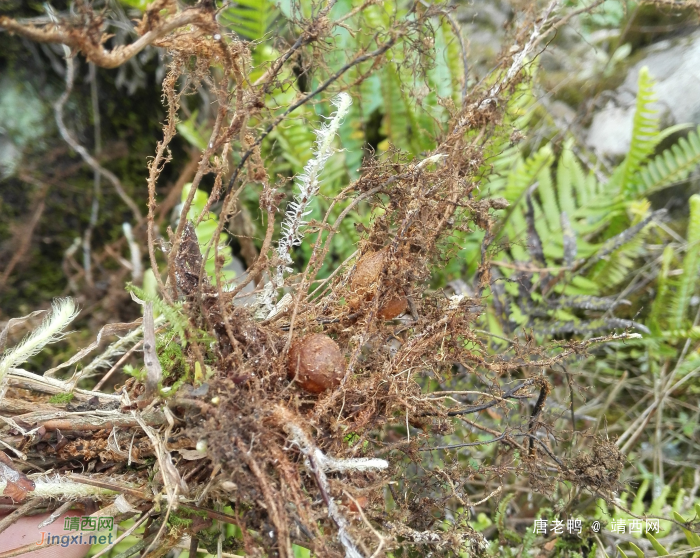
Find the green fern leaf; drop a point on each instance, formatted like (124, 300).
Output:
(693, 538)
(548, 201)
(296, 138)
(661, 303)
(250, 19)
(637, 550)
(660, 549)
(453, 58)
(637, 507)
(614, 268)
(400, 125)
(525, 173)
(685, 284)
(568, 172)
(352, 138)
(645, 133)
(671, 166)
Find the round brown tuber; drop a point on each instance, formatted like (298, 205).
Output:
(395, 307)
(315, 363)
(367, 272)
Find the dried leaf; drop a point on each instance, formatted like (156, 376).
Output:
(109, 329)
(188, 261)
(191, 455)
(18, 485)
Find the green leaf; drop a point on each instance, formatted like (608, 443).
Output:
(622, 552)
(660, 550)
(672, 166)
(637, 550)
(660, 303)
(524, 174)
(693, 538)
(637, 507)
(398, 116)
(300, 552)
(139, 4)
(250, 19)
(569, 176)
(685, 283)
(548, 200)
(645, 133)
(453, 59)
(189, 130)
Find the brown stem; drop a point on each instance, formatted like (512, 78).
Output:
(277, 515)
(94, 51)
(23, 510)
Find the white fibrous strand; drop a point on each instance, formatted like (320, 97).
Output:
(318, 464)
(54, 486)
(308, 183)
(63, 312)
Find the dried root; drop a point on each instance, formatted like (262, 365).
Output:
(299, 413)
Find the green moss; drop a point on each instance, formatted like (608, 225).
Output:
(61, 398)
(176, 520)
(171, 357)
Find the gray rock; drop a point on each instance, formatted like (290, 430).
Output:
(675, 65)
(483, 27)
(611, 130)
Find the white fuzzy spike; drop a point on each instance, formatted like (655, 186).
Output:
(308, 184)
(63, 312)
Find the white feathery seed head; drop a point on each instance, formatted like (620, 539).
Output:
(55, 486)
(308, 183)
(63, 312)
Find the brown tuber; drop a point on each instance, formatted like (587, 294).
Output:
(315, 363)
(363, 282)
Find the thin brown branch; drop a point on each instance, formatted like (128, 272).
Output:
(63, 33)
(25, 234)
(23, 510)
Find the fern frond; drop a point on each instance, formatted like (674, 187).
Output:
(296, 137)
(685, 283)
(525, 173)
(674, 334)
(352, 138)
(671, 166)
(453, 59)
(645, 132)
(617, 257)
(568, 173)
(660, 549)
(661, 303)
(548, 200)
(249, 18)
(399, 123)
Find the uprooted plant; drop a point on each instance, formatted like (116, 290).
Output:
(284, 410)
